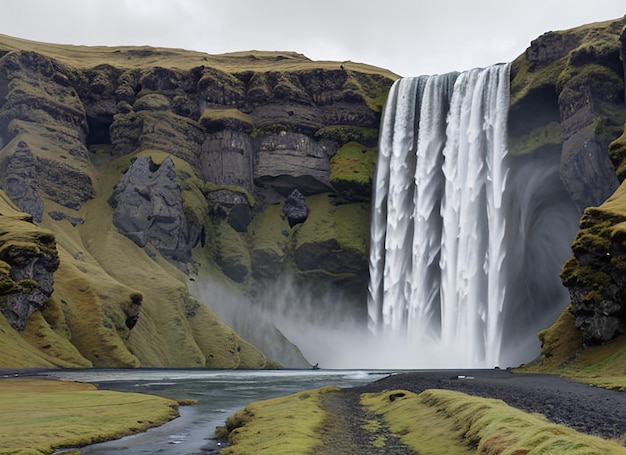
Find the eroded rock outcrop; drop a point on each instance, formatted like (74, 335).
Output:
(295, 208)
(45, 127)
(148, 209)
(595, 275)
(568, 97)
(28, 259)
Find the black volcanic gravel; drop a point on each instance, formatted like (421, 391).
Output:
(587, 409)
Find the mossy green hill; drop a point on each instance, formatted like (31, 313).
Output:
(148, 168)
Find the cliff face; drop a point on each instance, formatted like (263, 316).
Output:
(155, 168)
(572, 84)
(567, 97)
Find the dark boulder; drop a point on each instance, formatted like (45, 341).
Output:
(295, 208)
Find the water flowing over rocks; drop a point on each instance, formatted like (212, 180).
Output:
(458, 221)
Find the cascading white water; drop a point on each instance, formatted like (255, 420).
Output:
(446, 240)
(466, 248)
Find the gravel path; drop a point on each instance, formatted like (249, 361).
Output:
(344, 431)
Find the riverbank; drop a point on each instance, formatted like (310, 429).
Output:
(401, 414)
(219, 393)
(41, 415)
(336, 421)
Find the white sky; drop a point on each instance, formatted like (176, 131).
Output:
(408, 37)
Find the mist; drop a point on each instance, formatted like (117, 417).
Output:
(299, 329)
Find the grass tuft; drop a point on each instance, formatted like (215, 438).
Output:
(286, 425)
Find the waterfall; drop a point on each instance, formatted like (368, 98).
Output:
(454, 223)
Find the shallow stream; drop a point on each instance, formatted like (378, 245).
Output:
(219, 394)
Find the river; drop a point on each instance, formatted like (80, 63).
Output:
(219, 393)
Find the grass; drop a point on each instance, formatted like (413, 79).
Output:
(137, 57)
(286, 425)
(443, 422)
(39, 416)
(434, 422)
(562, 353)
(219, 119)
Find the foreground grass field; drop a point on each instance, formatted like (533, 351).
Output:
(39, 416)
(434, 422)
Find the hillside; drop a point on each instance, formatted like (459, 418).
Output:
(146, 170)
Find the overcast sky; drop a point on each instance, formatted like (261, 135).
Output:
(408, 37)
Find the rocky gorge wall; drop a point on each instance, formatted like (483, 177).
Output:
(568, 98)
(151, 169)
(132, 174)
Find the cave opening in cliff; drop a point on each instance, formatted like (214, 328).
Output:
(99, 130)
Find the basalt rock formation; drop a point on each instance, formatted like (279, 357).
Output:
(148, 170)
(148, 209)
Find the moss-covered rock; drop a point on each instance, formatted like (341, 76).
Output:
(231, 252)
(226, 119)
(617, 152)
(594, 274)
(352, 171)
(28, 259)
(333, 241)
(572, 81)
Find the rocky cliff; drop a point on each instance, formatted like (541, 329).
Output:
(137, 172)
(567, 97)
(130, 175)
(572, 84)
